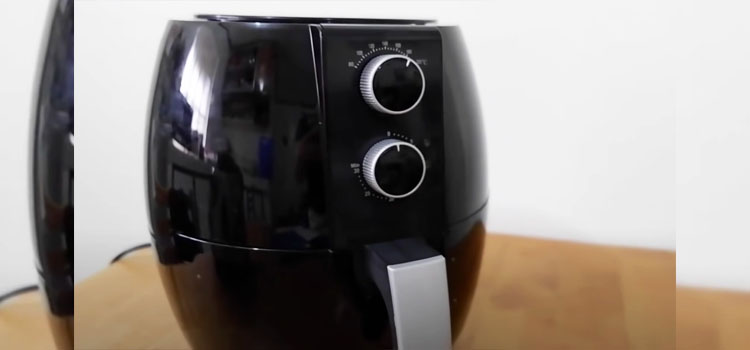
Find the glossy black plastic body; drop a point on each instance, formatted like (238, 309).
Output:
(52, 174)
(258, 210)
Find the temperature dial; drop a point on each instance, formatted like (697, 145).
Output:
(392, 84)
(394, 168)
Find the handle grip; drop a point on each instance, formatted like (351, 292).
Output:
(412, 280)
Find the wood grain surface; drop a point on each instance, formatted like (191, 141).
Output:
(711, 319)
(537, 294)
(24, 324)
(532, 294)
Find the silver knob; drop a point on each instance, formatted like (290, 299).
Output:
(392, 84)
(394, 168)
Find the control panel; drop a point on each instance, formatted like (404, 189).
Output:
(384, 129)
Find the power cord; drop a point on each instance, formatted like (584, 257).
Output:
(18, 291)
(128, 251)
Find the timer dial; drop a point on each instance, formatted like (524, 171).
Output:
(392, 84)
(394, 168)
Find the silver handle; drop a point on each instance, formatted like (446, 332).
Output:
(412, 279)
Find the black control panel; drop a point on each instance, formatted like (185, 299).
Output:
(383, 109)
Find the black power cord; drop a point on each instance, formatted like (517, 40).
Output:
(34, 287)
(18, 291)
(128, 251)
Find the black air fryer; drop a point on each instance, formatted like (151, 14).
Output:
(316, 183)
(52, 174)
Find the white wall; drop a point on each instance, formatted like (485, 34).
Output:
(578, 101)
(21, 30)
(577, 96)
(713, 140)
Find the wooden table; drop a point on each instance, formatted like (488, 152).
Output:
(532, 294)
(711, 319)
(23, 323)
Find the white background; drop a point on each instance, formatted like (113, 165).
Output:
(590, 108)
(713, 139)
(20, 48)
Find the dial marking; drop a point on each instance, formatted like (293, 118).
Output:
(374, 49)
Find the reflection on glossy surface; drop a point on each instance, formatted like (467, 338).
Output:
(235, 298)
(462, 264)
(52, 182)
(466, 158)
(310, 20)
(256, 214)
(235, 154)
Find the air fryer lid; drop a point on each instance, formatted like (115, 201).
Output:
(311, 20)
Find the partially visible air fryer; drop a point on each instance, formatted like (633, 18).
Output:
(316, 183)
(52, 174)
